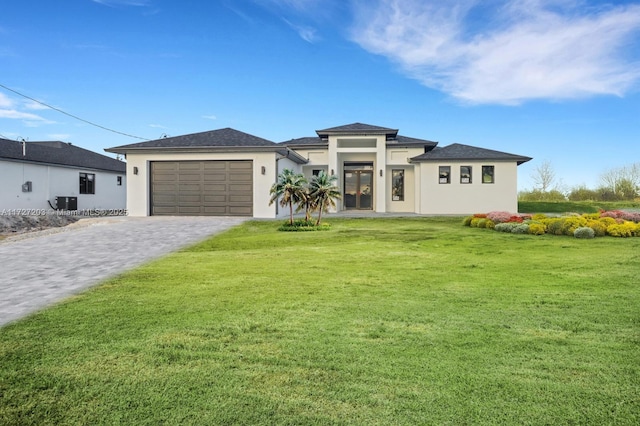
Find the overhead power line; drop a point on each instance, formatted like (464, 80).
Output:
(71, 115)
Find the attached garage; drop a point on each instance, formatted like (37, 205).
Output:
(201, 188)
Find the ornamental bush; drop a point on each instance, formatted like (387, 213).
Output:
(537, 228)
(623, 230)
(584, 232)
(499, 217)
(599, 228)
(467, 221)
(482, 223)
(520, 228)
(554, 225)
(570, 224)
(505, 226)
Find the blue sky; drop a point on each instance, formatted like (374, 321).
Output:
(557, 80)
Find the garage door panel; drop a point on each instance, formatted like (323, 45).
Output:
(215, 199)
(215, 177)
(215, 165)
(240, 198)
(202, 188)
(240, 165)
(240, 211)
(217, 187)
(185, 166)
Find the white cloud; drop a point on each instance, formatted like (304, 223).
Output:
(157, 126)
(307, 33)
(8, 111)
(5, 102)
(210, 117)
(515, 51)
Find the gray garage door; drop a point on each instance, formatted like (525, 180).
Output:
(202, 188)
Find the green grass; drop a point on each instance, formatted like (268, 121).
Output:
(574, 207)
(374, 322)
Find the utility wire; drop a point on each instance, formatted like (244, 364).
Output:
(71, 115)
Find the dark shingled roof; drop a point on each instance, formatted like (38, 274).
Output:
(459, 151)
(405, 140)
(59, 153)
(309, 140)
(357, 128)
(214, 138)
(397, 141)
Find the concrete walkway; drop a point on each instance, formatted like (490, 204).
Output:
(49, 266)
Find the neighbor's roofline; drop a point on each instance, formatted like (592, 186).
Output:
(65, 166)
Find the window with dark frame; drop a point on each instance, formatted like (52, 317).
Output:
(397, 185)
(119, 180)
(444, 173)
(488, 175)
(87, 183)
(316, 172)
(465, 174)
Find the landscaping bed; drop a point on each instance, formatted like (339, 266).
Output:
(615, 223)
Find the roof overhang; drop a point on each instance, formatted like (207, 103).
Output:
(518, 160)
(285, 152)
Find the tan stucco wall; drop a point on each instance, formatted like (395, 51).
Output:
(463, 199)
(138, 185)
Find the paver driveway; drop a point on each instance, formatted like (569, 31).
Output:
(39, 271)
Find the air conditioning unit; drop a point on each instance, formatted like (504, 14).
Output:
(67, 203)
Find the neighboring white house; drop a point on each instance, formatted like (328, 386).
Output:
(40, 176)
(227, 172)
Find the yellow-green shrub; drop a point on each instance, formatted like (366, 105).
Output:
(554, 225)
(467, 221)
(572, 223)
(538, 217)
(537, 228)
(598, 227)
(624, 230)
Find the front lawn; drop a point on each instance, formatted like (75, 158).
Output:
(376, 321)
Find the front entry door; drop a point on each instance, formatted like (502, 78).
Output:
(358, 189)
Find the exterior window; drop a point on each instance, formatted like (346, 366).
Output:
(445, 174)
(119, 180)
(397, 185)
(487, 174)
(465, 174)
(316, 172)
(87, 183)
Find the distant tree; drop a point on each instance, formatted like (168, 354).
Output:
(324, 192)
(544, 176)
(624, 181)
(289, 188)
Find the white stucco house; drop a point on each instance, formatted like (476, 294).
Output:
(228, 172)
(41, 176)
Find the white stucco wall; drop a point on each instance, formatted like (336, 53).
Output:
(49, 181)
(462, 199)
(138, 184)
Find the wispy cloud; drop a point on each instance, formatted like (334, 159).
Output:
(210, 117)
(307, 33)
(9, 109)
(515, 51)
(157, 126)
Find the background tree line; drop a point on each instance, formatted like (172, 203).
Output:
(617, 184)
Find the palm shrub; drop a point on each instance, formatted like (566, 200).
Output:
(324, 192)
(289, 188)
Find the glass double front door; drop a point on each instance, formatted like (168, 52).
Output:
(358, 189)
